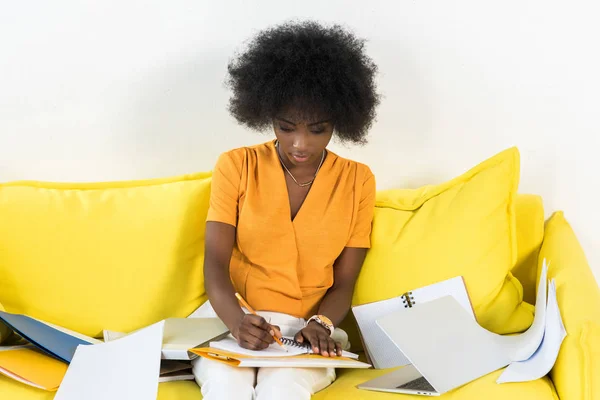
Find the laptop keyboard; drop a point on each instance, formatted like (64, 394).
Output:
(418, 384)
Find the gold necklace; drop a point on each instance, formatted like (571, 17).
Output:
(290, 174)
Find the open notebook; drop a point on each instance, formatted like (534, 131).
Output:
(381, 351)
(298, 355)
(59, 343)
(42, 359)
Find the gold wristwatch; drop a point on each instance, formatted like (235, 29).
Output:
(323, 321)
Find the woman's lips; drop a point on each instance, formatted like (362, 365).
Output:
(300, 157)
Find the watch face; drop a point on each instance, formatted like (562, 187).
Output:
(325, 319)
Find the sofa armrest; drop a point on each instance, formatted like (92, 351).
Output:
(576, 374)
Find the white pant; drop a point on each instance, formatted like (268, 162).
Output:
(220, 381)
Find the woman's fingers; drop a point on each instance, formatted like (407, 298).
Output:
(331, 345)
(277, 331)
(338, 349)
(255, 333)
(253, 341)
(260, 334)
(309, 336)
(324, 345)
(257, 321)
(251, 344)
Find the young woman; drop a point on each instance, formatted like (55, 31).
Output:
(290, 221)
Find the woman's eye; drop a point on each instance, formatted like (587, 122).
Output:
(284, 129)
(318, 131)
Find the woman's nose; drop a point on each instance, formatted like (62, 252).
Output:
(300, 141)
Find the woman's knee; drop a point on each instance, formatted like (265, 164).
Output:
(222, 381)
(292, 383)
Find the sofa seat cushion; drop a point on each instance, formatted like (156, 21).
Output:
(483, 388)
(343, 388)
(180, 390)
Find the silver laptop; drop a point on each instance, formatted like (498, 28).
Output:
(445, 346)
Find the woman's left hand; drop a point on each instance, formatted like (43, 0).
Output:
(320, 340)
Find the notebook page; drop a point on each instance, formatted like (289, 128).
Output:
(382, 351)
(274, 350)
(302, 362)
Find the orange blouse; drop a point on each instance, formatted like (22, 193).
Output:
(279, 264)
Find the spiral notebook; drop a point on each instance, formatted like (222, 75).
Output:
(381, 351)
(298, 355)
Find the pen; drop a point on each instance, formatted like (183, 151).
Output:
(241, 300)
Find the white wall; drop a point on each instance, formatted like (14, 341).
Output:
(124, 89)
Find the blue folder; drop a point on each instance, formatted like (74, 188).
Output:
(54, 342)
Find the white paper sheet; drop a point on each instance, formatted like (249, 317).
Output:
(127, 368)
(541, 362)
(521, 347)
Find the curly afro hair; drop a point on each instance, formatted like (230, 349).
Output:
(315, 70)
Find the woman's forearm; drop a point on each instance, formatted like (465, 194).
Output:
(220, 239)
(222, 296)
(336, 304)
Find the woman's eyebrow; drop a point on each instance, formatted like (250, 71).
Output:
(318, 122)
(311, 124)
(285, 120)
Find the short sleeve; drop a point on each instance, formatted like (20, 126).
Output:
(225, 187)
(361, 235)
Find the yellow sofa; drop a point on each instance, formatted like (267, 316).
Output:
(122, 255)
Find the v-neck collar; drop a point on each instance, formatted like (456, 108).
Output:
(317, 182)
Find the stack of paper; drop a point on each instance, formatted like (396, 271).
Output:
(542, 359)
(173, 370)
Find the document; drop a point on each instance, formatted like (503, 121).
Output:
(127, 368)
(541, 362)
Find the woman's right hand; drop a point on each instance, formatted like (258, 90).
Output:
(254, 332)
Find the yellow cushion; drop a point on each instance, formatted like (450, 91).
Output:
(462, 227)
(530, 233)
(576, 373)
(116, 256)
(483, 388)
(13, 390)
